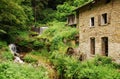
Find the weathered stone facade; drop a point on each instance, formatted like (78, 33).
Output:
(110, 29)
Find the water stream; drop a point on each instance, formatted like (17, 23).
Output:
(16, 55)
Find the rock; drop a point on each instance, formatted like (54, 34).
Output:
(18, 60)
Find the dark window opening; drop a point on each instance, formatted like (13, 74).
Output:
(92, 45)
(108, 1)
(105, 46)
(104, 18)
(92, 23)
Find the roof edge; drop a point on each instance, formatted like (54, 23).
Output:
(87, 3)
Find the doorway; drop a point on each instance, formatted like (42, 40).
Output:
(105, 46)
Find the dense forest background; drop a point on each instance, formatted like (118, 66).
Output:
(19, 15)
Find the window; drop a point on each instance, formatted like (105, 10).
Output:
(92, 45)
(104, 19)
(107, 1)
(105, 46)
(92, 23)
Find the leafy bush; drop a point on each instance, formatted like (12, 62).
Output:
(51, 15)
(56, 33)
(30, 59)
(9, 70)
(3, 44)
(7, 55)
(38, 44)
(31, 43)
(102, 60)
(63, 10)
(70, 68)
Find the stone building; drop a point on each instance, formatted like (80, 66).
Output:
(99, 25)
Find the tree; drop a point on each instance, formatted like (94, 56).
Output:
(67, 8)
(27, 7)
(12, 18)
(38, 6)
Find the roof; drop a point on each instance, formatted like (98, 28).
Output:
(87, 3)
(70, 14)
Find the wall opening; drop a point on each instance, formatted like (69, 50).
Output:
(105, 46)
(108, 1)
(92, 45)
(92, 23)
(104, 18)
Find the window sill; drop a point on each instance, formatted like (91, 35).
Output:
(92, 55)
(104, 24)
(92, 26)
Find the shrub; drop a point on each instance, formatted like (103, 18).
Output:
(9, 70)
(70, 68)
(23, 42)
(7, 55)
(102, 60)
(3, 44)
(30, 59)
(38, 45)
(56, 33)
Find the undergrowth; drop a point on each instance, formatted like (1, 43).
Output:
(57, 33)
(10, 70)
(98, 68)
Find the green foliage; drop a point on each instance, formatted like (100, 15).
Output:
(33, 43)
(14, 16)
(3, 44)
(9, 70)
(23, 43)
(70, 68)
(47, 15)
(67, 8)
(56, 33)
(38, 45)
(7, 55)
(30, 59)
(2, 31)
(63, 11)
(79, 3)
(27, 7)
(102, 60)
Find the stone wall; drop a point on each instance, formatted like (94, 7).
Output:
(110, 30)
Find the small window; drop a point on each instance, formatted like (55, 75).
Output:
(108, 1)
(92, 23)
(104, 18)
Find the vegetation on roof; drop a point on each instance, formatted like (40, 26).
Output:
(84, 4)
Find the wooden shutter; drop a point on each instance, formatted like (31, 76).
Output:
(99, 20)
(109, 18)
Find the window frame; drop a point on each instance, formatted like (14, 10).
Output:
(92, 46)
(104, 19)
